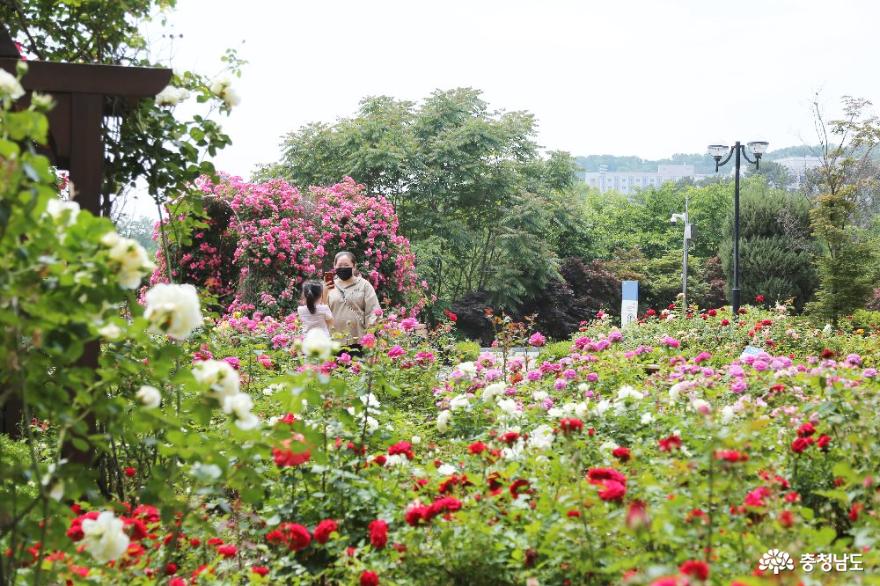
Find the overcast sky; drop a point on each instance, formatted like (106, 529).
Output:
(647, 78)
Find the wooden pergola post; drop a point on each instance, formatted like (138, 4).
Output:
(82, 94)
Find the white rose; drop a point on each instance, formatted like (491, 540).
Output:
(104, 537)
(173, 310)
(396, 460)
(508, 406)
(493, 390)
(110, 331)
(580, 410)
(171, 96)
(627, 392)
(539, 395)
(149, 396)
(646, 418)
(446, 470)
(219, 376)
(239, 404)
(57, 208)
(675, 391)
(459, 402)
(9, 85)
(727, 413)
(131, 261)
(469, 369)
(231, 98)
(541, 437)
(701, 406)
(443, 420)
(602, 406)
(416, 440)
(317, 344)
(249, 421)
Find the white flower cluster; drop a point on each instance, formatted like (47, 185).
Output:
(128, 258)
(173, 310)
(149, 396)
(223, 88)
(578, 410)
(493, 390)
(467, 369)
(63, 210)
(171, 96)
(9, 86)
(104, 537)
(371, 407)
(223, 385)
(317, 344)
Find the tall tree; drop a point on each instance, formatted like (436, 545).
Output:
(845, 181)
(467, 181)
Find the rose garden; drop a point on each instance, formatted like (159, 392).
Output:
(210, 442)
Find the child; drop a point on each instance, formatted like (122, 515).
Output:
(314, 314)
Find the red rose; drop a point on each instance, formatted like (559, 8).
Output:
(725, 322)
(404, 448)
(378, 533)
(695, 569)
(854, 511)
(650, 313)
(297, 536)
(369, 578)
(476, 448)
(759, 299)
(612, 491)
(516, 485)
(712, 313)
(799, 445)
(806, 430)
(324, 529)
(731, 456)
(621, 453)
(170, 569)
(786, 519)
(670, 443)
(510, 437)
(260, 570)
(130, 472)
(416, 514)
(451, 316)
(823, 442)
(227, 551)
(177, 582)
(571, 425)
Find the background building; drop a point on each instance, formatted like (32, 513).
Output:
(628, 182)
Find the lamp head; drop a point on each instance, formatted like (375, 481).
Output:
(718, 151)
(759, 147)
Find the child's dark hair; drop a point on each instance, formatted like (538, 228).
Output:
(312, 291)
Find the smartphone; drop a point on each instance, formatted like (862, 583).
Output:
(328, 276)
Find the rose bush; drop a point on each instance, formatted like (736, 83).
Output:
(196, 450)
(260, 241)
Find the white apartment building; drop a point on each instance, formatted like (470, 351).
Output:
(628, 182)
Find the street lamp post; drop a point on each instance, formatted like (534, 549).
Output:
(718, 151)
(684, 259)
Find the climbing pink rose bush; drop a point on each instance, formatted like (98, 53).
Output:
(262, 240)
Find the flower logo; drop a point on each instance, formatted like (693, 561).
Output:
(776, 560)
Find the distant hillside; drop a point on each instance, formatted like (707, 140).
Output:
(703, 163)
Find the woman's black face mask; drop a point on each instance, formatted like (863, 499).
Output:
(344, 273)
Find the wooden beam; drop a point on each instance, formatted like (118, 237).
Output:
(109, 80)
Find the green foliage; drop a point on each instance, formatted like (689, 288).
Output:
(847, 258)
(467, 350)
(554, 351)
(151, 143)
(467, 183)
(776, 248)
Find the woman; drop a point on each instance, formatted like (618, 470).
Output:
(352, 301)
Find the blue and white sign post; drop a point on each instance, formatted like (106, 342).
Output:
(629, 306)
